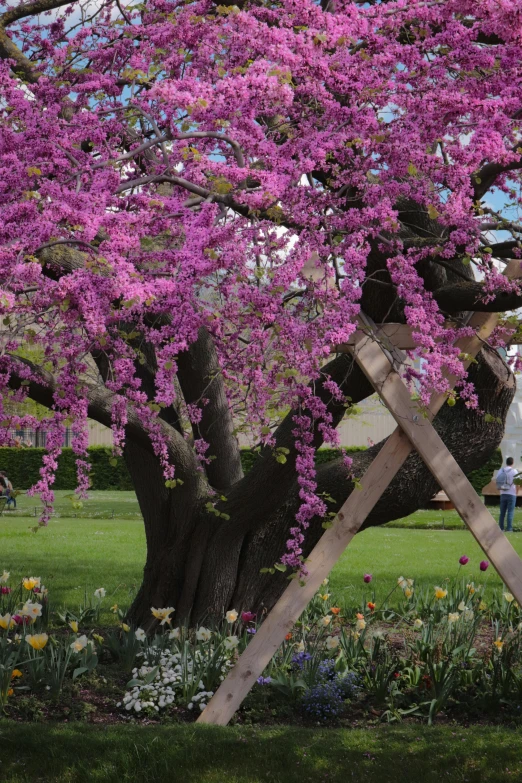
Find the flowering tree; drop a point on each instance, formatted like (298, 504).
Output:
(198, 199)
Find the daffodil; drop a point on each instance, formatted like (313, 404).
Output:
(6, 622)
(325, 582)
(401, 581)
(16, 673)
(203, 634)
(326, 620)
(410, 582)
(30, 609)
(332, 642)
(471, 588)
(37, 640)
(4, 577)
(461, 606)
(408, 592)
(73, 625)
(440, 593)
(498, 643)
(468, 614)
(509, 597)
(300, 647)
(360, 625)
(418, 623)
(79, 644)
(453, 617)
(231, 642)
(140, 634)
(125, 627)
(114, 608)
(98, 638)
(31, 582)
(231, 616)
(175, 633)
(163, 614)
(100, 593)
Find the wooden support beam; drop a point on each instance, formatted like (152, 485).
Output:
(387, 463)
(425, 439)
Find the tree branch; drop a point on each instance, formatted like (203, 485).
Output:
(456, 297)
(200, 378)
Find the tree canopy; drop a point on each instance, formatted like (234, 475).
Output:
(197, 201)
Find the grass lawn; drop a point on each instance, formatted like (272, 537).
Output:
(74, 556)
(407, 754)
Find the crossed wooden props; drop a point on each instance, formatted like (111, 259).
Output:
(376, 351)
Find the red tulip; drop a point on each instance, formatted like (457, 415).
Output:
(248, 617)
(367, 578)
(463, 560)
(484, 565)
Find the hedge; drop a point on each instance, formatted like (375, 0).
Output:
(23, 465)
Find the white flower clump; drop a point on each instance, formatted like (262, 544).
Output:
(170, 683)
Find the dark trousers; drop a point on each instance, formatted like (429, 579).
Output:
(507, 504)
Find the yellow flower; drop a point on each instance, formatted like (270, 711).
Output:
(10, 692)
(98, 638)
(453, 617)
(471, 588)
(125, 627)
(37, 640)
(231, 616)
(509, 598)
(326, 620)
(418, 623)
(408, 593)
(163, 614)
(360, 624)
(482, 606)
(30, 582)
(74, 625)
(325, 582)
(16, 673)
(325, 597)
(6, 621)
(440, 593)
(114, 608)
(300, 647)
(498, 644)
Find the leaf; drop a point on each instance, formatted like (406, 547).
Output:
(433, 212)
(280, 567)
(412, 169)
(79, 670)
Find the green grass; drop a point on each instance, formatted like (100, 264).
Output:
(128, 754)
(75, 556)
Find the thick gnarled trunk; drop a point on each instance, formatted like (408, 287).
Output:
(202, 565)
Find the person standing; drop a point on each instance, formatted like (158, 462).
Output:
(8, 491)
(508, 494)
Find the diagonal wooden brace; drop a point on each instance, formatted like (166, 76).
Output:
(385, 466)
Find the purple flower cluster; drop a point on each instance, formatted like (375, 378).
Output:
(323, 702)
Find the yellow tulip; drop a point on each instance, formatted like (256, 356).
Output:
(74, 626)
(6, 622)
(37, 640)
(440, 593)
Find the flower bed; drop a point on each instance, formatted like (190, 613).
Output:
(435, 653)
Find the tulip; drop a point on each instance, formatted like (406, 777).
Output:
(484, 565)
(5, 590)
(367, 578)
(248, 617)
(463, 560)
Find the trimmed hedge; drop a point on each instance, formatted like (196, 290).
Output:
(23, 465)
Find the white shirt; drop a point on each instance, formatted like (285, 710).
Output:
(510, 474)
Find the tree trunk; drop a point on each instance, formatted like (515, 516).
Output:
(203, 565)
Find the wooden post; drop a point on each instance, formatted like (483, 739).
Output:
(385, 466)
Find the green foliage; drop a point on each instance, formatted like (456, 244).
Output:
(482, 476)
(107, 472)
